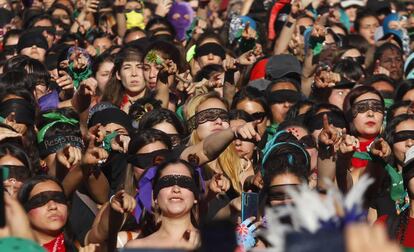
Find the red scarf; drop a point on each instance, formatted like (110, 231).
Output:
(56, 245)
(360, 163)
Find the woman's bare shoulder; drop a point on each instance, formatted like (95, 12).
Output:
(145, 242)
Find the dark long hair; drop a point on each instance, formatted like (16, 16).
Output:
(350, 100)
(114, 90)
(18, 153)
(24, 195)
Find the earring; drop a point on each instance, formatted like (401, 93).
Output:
(195, 202)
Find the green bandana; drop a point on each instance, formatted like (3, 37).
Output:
(317, 49)
(362, 155)
(107, 141)
(79, 77)
(58, 118)
(397, 191)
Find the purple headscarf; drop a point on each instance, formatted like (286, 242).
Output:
(185, 19)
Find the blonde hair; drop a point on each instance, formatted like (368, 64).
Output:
(228, 160)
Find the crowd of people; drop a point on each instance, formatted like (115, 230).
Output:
(145, 123)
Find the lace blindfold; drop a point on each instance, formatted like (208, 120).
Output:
(179, 180)
(366, 105)
(43, 198)
(208, 115)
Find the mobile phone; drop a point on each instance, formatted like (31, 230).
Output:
(3, 176)
(250, 205)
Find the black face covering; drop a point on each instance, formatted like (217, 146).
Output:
(279, 192)
(366, 105)
(179, 180)
(43, 198)
(317, 121)
(208, 48)
(207, 115)
(281, 96)
(18, 172)
(403, 136)
(148, 160)
(25, 112)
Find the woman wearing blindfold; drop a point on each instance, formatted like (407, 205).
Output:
(207, 116)
(47, 208)
(391, 198)
(393, 205)
(17, 164)
(364, 112)
(176, 193)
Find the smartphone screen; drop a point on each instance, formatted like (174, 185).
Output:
(250, 205)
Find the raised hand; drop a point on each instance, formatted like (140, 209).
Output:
(11, 121)
(8, 133)
(348, 144)
(380, 69)
(88, 87)
(219, 183)
(93, 155)
(64, 81)
(248, 131)
(247, 58)
(325, 78)
(122, 202)
(168, 72)
(92, 6)
(330, 135)
(120, 143)
(163, 7)
(380, 148)
(69, 156)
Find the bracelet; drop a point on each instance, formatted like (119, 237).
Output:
(111, 198)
